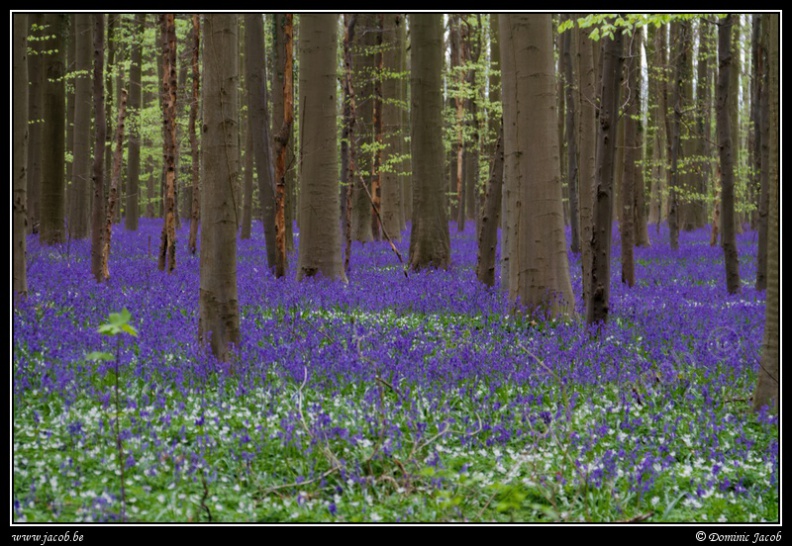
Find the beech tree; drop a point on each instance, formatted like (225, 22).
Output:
(767, 391)
(79, 221)
(538, 267)
(218, 302)
(20, 91)
(728, 237)
(53, 138)
(135, 103)
(430, 244)
(320, 234)
(167, 253)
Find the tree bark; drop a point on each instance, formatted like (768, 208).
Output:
(79, 221)
(679, 53)
(598, 304)
(392, 215)
(405, 172)
(588, 140)
(112, 198)
(490, 218)
(539, 281)
(97, 207)
(348, 144)
(763, 153)
(767, 386)
(320, 235)
(278, 74)
(35, 114)
(376, 122)
(734, 112)
(429, 238)
(218, 321)
(639, 192)
(256, 80)
(167, 252)
(53, 187)
(132, 216)
(281, 138)
(20, 157)
(567, 53)
(195, 213)
(631, 155)
(728, 238)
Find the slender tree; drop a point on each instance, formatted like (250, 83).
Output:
(598, 302)
(568, 52)
(429, 238)
(279, 22)
(218, 321)
(35, 116)
(195, 212)
(767, 386)
(679, 30)
(167, 252)
(98, 204)
(53, 186)
(281, 138)
(134, 106)
(588, 138)
(113, 198)
(256, 82)
(391, 202)
(20, 83)
(639, 193)
(728, 237)
(538, 268)
(320, 234)
(762, 145)
(490, 216)
(79, 221)
(631, 156)
(348, 146)
(405, 172)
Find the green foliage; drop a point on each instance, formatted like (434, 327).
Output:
(118, 323)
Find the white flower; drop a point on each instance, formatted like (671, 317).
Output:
(655, 500)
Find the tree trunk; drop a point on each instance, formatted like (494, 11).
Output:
(392, 216)
(430, 244)
(195, 214)
(53, 187)
(728, 238)
(703, 107)
(247, 184)
(657, 110)
(631, 155)
(490, 218)
(598, 304)
(279, 63)
(568, 52)
(135, 105)
(348, 145)
(405, 172)
(20, 158)
(112, 198)
(376, 122)
(763, 145)
(734, 113)
(639, 188)
(97, 207)
(473, 52)
(79, 222)
(588, 140)
(69, 68)
(679, 53)
(767, 386)
(281, 142)
(37, 78)
(320, 235)
(256, 80)
(167, 252)
(218, 304)
(538, 267)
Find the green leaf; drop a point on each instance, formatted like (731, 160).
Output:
(129, 329)
(99, 355)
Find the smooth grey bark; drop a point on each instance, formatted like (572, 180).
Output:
(430, 244)
(53, 184)
(20, 125)
(320, 233)
(391, 202)
(218, 321)
(539, 281)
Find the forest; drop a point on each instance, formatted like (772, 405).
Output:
(388, 267)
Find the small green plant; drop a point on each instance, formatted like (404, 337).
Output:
(118, 323)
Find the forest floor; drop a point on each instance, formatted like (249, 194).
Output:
(389, 398)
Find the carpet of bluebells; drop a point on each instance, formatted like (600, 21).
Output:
(390, 398)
